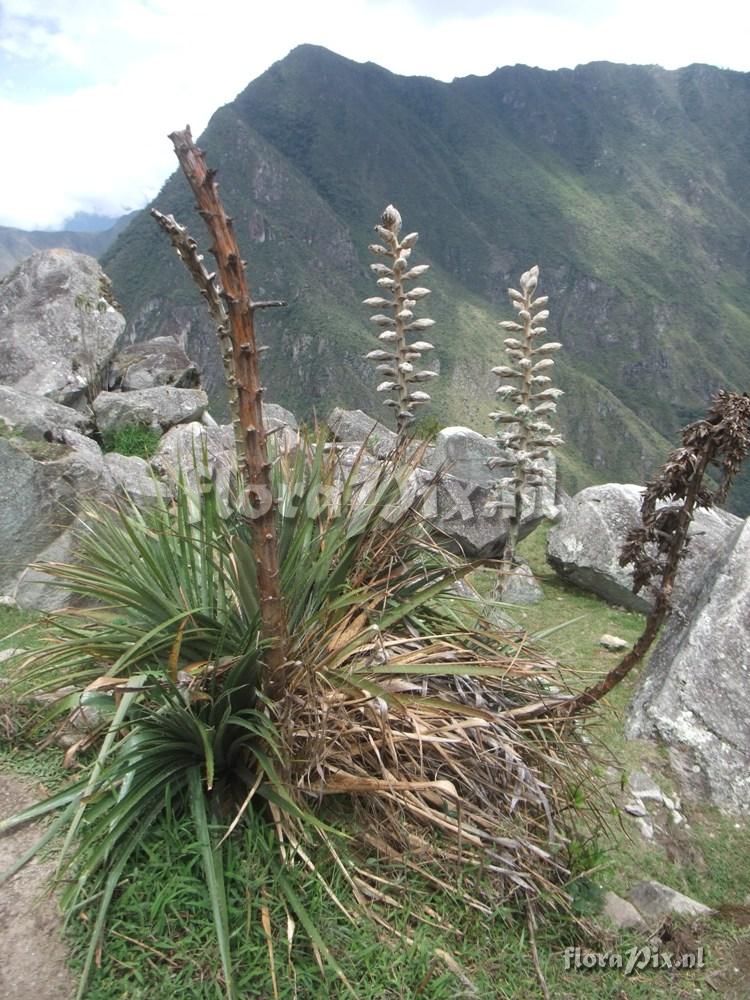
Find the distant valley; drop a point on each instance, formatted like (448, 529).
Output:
(83, 232)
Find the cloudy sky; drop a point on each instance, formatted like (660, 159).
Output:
(89, 88)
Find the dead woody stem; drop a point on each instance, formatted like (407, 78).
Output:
(255, 467)
(187, 251)
(721, 441)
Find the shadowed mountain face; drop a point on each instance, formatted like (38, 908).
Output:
(628, 185)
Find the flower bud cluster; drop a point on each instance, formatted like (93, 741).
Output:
(397, 362)
(526, 387)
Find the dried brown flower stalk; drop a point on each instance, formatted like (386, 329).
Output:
(187, 251)
(255, 467)
(720, 441)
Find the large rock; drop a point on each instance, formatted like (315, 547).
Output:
(655, 901)
(37, 590)
(693, 694)
(160, 361)
(132, 477)
(465, 454)
(158, 408)
(620, 914)
(281, 427)
(354, 427)
(197, 454)
(42, 487)
(206, 450)
(58, 326)
(584, 546)
(461, 500)
(37, 417)
(464, 506)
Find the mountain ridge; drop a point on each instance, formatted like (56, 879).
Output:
(17, 244)
(626, 184)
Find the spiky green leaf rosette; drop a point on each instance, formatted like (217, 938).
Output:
(394, 756)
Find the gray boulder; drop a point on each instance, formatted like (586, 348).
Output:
(42, 488)
(198, 454)
(58, 326)
(133, 477)
(655, 901)
(160, 361)
(37, 590)
(158, 408)
(620, 914)
(692, 695)
(281, 427)
(584, 546)
(464, 454)
(522, 587)
(354, 427)
(467, 512)
(461, 501)
(37, 417)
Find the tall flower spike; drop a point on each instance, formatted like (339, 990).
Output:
(522, 432)
(395, 317)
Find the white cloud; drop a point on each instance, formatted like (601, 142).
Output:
(112, 77)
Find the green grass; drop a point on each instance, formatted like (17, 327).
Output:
(11, 621)
(162, 944)
(133, 440)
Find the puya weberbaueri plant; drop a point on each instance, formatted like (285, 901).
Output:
(397, 360)
(523, 431)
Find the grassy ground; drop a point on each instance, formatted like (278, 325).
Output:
(160, 942)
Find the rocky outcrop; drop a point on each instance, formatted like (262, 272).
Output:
(461, 502)
(133, 477)
(464, 507)
(36, 590)
(161, 361)
(206, 450)
(37, 417)
(464, 454)
(158, 408)
(58, 326)
(584, 546)
(281, 427)
(692, 695)
(354, 427)
(42, 488)
(196, 453)
(58, 330)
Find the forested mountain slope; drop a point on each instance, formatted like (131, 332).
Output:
(628, 185)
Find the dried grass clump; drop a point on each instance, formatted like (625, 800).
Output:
(409, 709)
